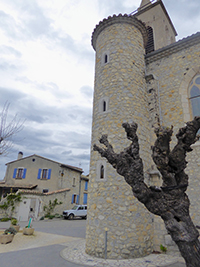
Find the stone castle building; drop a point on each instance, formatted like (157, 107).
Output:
(141, 74)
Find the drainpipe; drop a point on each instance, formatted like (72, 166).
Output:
(79, 189)
(152, 76)
(159, 105)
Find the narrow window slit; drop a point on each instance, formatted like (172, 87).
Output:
(104, 105)
(106, 58)
(102, 172)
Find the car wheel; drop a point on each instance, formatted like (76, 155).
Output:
(85, 217)
(71, 216)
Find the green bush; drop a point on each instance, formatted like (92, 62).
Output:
(11, 200)
(49, 216)
(163, 249)
(10, 230)
(5, 219)
(50, 207)
(14, 221)
(58, 215)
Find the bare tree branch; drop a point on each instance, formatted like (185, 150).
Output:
(170, 201)
(8, 130)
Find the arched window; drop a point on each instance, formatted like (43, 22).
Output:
(102, 172)
(150, 44)
(104, 105)
(194, 95)
(105, 58)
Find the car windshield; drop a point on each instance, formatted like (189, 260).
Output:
(75, 208)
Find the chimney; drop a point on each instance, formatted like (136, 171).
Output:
(20, 155)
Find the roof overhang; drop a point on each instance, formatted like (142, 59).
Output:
(71, 167)
(17, 186)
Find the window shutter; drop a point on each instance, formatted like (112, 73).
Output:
(77, 198)
(85, 199)
(86, 185)
(49, 174)
(24, 174)
(15, 173)
(72, 198)
(39, 173)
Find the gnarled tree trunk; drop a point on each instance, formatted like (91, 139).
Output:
(170, 201)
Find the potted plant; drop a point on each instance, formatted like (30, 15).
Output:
(8, 235)
(28, 230)
(14, 224)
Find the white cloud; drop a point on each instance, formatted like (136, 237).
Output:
(47, 70)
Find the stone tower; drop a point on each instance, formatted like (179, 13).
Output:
(141, 74)
(119, 96)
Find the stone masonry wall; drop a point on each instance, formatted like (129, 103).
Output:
(120, 82)
(169, 73)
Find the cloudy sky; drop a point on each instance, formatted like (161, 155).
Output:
(47, 70)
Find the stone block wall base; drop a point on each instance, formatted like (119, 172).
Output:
(4, 239)
(28, 231)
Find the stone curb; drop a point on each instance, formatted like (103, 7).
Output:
(75, 253)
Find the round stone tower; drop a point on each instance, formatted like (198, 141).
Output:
(118, 224)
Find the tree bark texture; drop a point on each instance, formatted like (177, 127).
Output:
(169, 201)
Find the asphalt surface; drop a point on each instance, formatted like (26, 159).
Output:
(45, 256)
(46, 251)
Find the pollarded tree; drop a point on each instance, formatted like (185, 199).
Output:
(170, 201)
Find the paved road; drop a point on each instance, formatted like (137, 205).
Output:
(45, 256)
(45, 251)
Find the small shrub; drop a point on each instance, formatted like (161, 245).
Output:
(28, 227)
(5, 219)
(58, 215)
(11, 200)
(14, 221)
(10, 230)
(50, 207)
(163, 249)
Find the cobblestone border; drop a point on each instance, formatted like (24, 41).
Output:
(75, 253)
